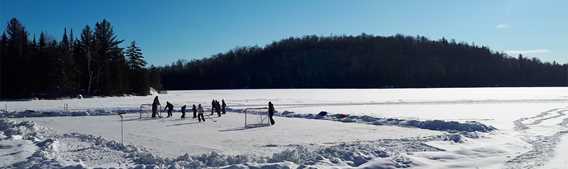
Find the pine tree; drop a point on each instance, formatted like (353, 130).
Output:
(136, 64)
(109, 60)
(44, 67)
(16, 60)
(43, 62)
(67, 69)
(2, 65)
(154, 78)
(56, 74)
(135, 58)
(33, 51)
(86, 46)
(72, 68)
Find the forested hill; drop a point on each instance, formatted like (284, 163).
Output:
(362, 61)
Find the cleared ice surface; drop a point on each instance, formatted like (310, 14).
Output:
(173, 137)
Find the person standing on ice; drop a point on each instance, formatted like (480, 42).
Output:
(155, 107)
(212, 107)
(200, 113)
(183, 111)
(194, 111)
(170, 108)
(223, 106)
(218, 108)
(271, 113)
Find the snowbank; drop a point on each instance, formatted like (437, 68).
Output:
(31, 132)
(439, 125)
(31, 113)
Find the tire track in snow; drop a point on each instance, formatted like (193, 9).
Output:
(543, 147)
(564, 123)
(519, 125)
(538, 121)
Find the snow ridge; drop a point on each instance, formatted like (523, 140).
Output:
(89, 112)
(27, 130)
(342, 154)
(439, 125)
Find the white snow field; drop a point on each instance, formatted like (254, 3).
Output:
(384, 128)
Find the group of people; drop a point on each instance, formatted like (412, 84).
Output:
(197, 110)
(219, 108)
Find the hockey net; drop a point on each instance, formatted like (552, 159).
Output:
(146, 110)
(256, 117)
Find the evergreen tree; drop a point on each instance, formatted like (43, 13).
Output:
(67, 70)
(56, 74)
(138, 73)
(3, 65)
(85, 57)
(43, 62)
(46, 68)
(17, 59)
(135, 58)
(154, 78)
(109, 60)
(33, 52)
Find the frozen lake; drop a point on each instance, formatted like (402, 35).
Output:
(522, 116)
(495, 106)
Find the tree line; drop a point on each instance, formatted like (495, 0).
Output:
(362, 61)
(91, 65)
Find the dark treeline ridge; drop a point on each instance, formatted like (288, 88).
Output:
(363, 61)
(91, 65)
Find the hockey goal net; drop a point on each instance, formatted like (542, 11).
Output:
(256, 117)
(146, 110)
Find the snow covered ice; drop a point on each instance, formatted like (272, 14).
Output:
(364, 128)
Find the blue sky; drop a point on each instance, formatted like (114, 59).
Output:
(184, 29)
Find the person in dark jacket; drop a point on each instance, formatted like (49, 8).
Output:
(194, 109)
(212, 107)
(183, 111)
(169, 107)
(200, 113)
(155, 105)
(223, 106)
(218, 108)
(271, 113)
